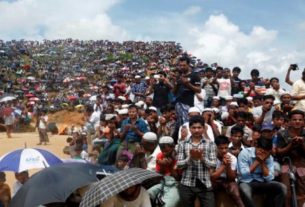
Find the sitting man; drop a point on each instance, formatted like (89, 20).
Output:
(256, 174)
(225, 174)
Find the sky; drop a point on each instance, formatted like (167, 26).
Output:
(267, 35)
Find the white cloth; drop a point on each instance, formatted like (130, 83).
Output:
(95, 119)
(233, 164)
(16, 186)
(42, 125)
(9, 120)
(224, 89)
(275, 93)
(298, 88)
(152, 159)
(143, 200)
(197, 103)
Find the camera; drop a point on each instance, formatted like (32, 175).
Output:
(294, 67)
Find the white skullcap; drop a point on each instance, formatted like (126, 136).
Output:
(137, 76)
(122, 98)
(216, 110)
(147, 78)
(152, 108)
(207, 109)
(216, 97)
(156, 76)
(234, 103)
(123, 111)
(166, 140)
(193, 109)
(109, 116)
(249, 98)
(125, 106)
(139, 103)
(228, 98)
(150, 136)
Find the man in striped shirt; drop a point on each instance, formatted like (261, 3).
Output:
(197, 157)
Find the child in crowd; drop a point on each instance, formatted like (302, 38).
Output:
(166, 160)
(236, 137)
(122, 162)
(225, 174)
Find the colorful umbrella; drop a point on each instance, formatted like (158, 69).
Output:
(26, 159)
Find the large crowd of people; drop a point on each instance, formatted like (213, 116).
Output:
(153, 106)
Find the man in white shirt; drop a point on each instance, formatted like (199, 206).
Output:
(225, 174)
(275, 90)
(263, 114)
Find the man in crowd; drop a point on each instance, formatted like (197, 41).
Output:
(291, 145)
(187, 84)
(132, 130)
(225, 174)
(263, 114)
(256, 174)
(197, 157)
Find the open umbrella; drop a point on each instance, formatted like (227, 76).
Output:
(55, 184)
(34, 99)
(28, 158)
(7, 98)
(29, 95)
(116, 183)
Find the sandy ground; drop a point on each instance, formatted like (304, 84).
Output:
(20, 140)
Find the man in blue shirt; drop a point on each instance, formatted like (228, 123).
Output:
(256, 173)
(132, 130)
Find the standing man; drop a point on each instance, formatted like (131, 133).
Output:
(298, 92)
(187, 84)
(197, 158)
(256, 173)
(161, 90)
(291, 144)
(42, 127)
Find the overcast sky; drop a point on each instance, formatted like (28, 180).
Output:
(268, 35)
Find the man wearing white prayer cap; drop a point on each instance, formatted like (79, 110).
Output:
(152, 149)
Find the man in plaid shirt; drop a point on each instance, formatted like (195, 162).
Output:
(197, 157)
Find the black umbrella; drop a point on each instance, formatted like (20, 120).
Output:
(54, 184)
(118, 182)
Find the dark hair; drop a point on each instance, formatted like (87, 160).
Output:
(254, 72)
(265, 97)
(2, 176)
(293, 112)
(257, 97)
(278, 114)
(196, 119)
(242, 101)
(162, 73)
(242, 114)
(236, 129)
(209, 69)
(264, 143)
(186, 58)
(89, 109)
(274, 78)
(132, 106)
(221, 139)
(236, 69)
